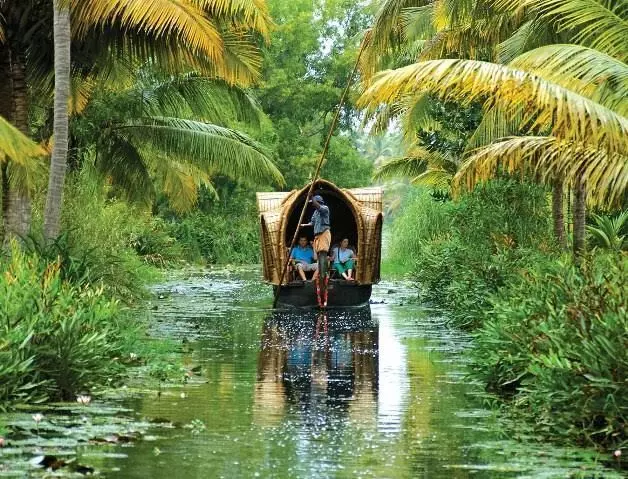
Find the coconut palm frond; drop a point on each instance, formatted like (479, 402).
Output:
(529, 35)
(417, 23)
(210, 147)
(405, 167)
(193, 96)
(126, 169)
(581, 69)
(380, 120)
(599, 24)
(178, 19)
(495, 124)
(251, 14)
(546, 158)
(179, 182)
(571, 116)
(386, 35)
(241, 59)
(416, 114)
(437, 179)
(16, 145)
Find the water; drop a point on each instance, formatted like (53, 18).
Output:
(380, 392)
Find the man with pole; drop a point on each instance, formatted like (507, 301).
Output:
(322, 242)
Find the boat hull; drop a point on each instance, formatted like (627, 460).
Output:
(342, 294)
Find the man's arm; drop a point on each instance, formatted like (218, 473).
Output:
(314, 255)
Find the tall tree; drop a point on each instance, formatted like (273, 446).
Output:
(58, 161)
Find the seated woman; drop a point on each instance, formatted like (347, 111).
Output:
(344, 259)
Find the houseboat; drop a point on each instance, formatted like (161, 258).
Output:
(355, 214)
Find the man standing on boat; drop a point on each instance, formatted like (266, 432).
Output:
(321, 223)
(322, 242)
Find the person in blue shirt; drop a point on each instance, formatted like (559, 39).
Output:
(344, 259)
(304, 258)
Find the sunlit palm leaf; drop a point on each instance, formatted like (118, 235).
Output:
(496, 124)
(178, 19)
(546, 158)
(581, 69)
(253, 14)
(599, 24)
(180, 182)
(417, 114)
(207, 146)
(17, 146)
(386, 35)
(571, 116)
(437, 179)
(404, 167)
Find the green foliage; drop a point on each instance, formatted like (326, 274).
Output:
(557, 340)
(56, 339)
(102, 239)
(224, 232)
(422, 220)
(312, 52)
(466, 250)
(609, 232)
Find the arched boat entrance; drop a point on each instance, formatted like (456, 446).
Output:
(343, 218)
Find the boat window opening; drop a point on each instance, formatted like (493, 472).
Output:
(343, 223)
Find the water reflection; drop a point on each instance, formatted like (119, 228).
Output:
(324, 365)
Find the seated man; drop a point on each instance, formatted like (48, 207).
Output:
(344, 259)
(304, 257)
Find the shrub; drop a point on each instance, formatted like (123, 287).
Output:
(557, 340)
(101, 234)
(422, 219)
(494, 232)
(56, 339)
(219, 238)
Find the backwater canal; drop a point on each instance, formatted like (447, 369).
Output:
(380, 393)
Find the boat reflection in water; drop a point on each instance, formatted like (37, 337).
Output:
(323, 365)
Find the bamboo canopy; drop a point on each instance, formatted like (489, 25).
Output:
(365, 206)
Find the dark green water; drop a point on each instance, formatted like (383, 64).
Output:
(377, 393)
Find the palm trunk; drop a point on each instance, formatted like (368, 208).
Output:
(58, 162)
(4, 180)
(579, 217)
(558, 214)
(19, 209)
(6, 93)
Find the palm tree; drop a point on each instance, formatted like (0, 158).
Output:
(574, 115)
(216, 37)
(171, 133)
(58, 161)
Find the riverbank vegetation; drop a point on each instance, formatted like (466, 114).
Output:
(539, 164)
